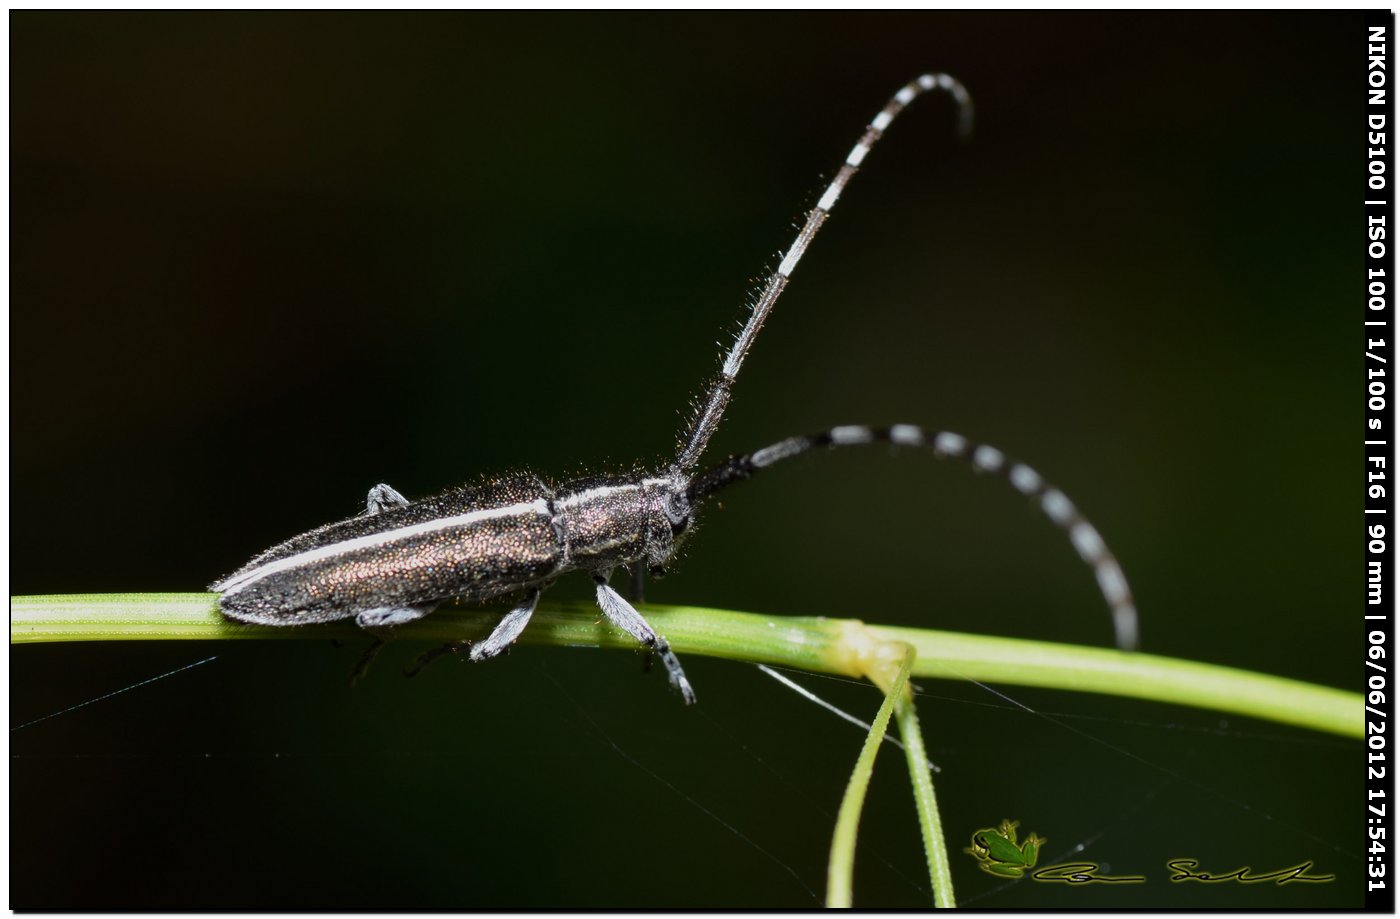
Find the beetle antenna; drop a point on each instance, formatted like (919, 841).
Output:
(1086, 540)
(709, 411)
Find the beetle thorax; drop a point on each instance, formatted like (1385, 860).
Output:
(618, 521)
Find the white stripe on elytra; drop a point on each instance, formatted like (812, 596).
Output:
(374, 540)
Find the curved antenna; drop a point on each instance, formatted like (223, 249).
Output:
(1052, 502)
(710, 410)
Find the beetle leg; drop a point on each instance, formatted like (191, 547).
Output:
(427, 657)
(379, 622)
(622, 615)
(361, 667)
(636, 593)
(381, 497)
(637, 588)
(500, 639)
(507, 630)
(382, 617)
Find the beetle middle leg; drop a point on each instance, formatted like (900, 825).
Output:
(507, 630)
(624, 616)
(502, 637)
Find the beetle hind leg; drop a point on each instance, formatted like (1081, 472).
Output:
(362, 665)
(386, 617)
(380, 623)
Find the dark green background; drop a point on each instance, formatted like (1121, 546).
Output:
(261, 262)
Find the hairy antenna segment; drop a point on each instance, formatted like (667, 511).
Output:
(710, 411)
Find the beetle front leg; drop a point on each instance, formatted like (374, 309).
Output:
(381, 498)
(624, 616)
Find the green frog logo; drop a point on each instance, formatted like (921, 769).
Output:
(998, 853)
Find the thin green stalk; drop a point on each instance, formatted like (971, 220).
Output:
(951, 655)
(811, 643)
(841, 865)
(940, 872)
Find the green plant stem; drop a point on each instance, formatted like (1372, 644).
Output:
(940, 871)
(810, 643)
(840, 870)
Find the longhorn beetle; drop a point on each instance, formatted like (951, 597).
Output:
(513, 536)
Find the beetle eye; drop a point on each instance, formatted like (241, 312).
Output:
(677, 512)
